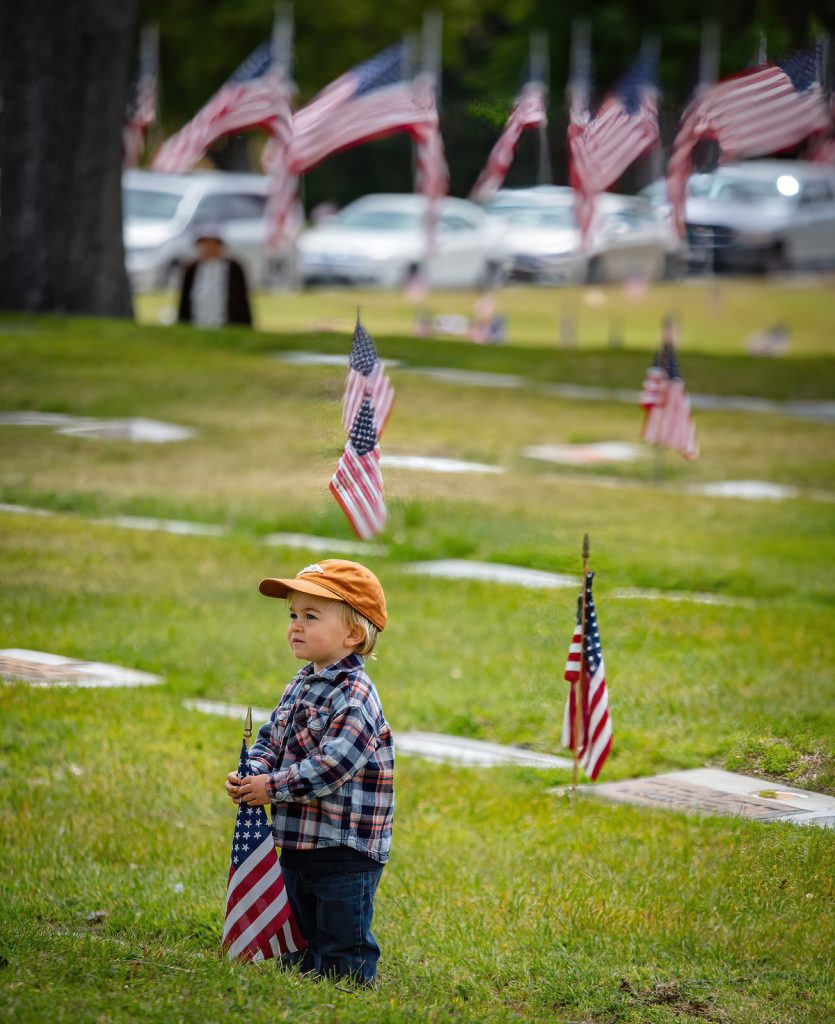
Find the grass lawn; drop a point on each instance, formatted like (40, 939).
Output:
(504, 901)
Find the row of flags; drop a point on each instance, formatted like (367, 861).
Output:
(764, 109)
(259, 922)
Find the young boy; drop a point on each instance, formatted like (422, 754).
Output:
(325, 761)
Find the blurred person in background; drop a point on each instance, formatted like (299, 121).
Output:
(214, 289)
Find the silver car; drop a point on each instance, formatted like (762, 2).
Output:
(629, 237)
(764, 215)
(379, 240)
(163, 212)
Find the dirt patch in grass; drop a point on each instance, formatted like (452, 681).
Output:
(673, 995)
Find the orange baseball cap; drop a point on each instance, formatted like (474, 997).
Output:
(338, 580)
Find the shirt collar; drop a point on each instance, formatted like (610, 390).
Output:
(351, 663)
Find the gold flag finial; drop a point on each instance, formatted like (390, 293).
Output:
(585, 547)
(248, 724)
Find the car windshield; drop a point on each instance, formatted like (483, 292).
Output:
(740, 190)
(378, 220)
(537, 216)
(143, 204)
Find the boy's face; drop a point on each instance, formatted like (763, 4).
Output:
(316, 631)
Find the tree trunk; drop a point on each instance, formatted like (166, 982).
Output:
(65, 67)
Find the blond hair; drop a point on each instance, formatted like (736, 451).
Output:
(354, 619)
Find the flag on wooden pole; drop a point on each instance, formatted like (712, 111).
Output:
(259, 922)
(144, 98)
(588, 733)
(668, 420)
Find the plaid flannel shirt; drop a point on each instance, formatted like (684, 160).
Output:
(329, 754)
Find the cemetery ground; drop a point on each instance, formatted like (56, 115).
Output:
(504, 899)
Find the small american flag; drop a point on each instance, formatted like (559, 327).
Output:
(357, 483)
(259, 922)
(603, 146)
(528, 112)
(283, 191)
(366, 378)
(668, 420)
(761, 110)
(249, 100)
(371, 100)
(585, 663)
(142, 106)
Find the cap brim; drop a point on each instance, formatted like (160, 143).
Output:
(281, 588)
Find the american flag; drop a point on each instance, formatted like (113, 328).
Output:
(603, 146)
(761, 110)
(432, 173)
(373, 99)
(528, 112)
(259, 922)
(667, 417)
(585, 664)
(357, 483)
(250, 99)
(366, 378)
(142, 106)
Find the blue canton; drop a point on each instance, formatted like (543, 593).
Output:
(256, 65)
(592, 652)
(802, 68)
(251, 826)
(363, 353)
(632, 85)
(363, 435)
(384, 68)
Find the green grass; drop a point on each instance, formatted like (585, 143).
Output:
(503, 900)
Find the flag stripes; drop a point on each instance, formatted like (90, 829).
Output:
(357, 485)
(528, 112)
(259, 923)
(584, 665)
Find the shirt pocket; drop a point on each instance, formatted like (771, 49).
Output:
(309, 725)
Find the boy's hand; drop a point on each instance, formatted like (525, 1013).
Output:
(253, 790)
(233, 781)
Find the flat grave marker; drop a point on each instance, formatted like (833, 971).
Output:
(42, 669)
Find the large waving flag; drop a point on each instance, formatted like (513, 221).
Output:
(373, 99)
(592, 741)
(357, 483)
(759, 111)
(366, 378)
(528, 112)
(259, 922)
(249, 100)
(602, 147)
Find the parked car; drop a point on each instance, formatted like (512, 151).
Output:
(764, 215)
(379, 240)
(629, 238)
(163, 212)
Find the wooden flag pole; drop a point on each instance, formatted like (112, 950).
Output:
(578, 685)
(248, 726)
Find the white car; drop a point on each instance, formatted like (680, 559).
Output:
(379, 241)
(629, 237)
(162, 213)
(766, 215)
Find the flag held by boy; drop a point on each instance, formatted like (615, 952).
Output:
(587, 730)
(259, 922)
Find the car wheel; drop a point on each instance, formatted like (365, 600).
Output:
(774, 261)
(594, 274)
(491, 276)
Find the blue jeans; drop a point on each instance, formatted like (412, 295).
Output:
(333, 912)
